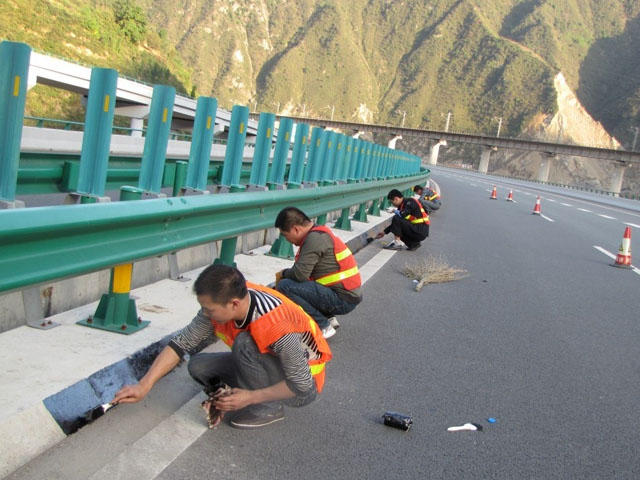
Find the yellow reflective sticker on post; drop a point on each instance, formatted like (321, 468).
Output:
(304, 140)
(208, 122)
(241, 128)
(268, 133)
(105, 107)
(286, 136)
(165, 112)
(16, 86)
(122, 278)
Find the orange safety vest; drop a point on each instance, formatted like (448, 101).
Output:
(348, 273)
(415, 220)
(286, 318)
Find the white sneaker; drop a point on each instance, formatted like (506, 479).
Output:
(328, 332)
(334, 322)
(393, 245)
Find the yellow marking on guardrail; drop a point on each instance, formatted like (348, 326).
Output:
(208, 122)
(16, 86)
(241, 127)
(122, 278)
(105, 107)
(165, 112)
(286, 136)
(304, 140)
(268, 133)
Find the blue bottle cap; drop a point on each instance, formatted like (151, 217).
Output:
(491, 420)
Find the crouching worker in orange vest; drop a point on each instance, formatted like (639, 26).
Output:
(324, 279)
(410, 224)
(277, 353)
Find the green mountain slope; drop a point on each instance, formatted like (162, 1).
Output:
(370, 60)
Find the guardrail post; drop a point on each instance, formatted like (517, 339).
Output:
(298, 156)
(96, 139)
(260, 164)
(339, 158)
(329, 158)
(313, 162)
(201, 143)
(281, 153)
(14, 58)
(180, 180)
(117, 312)
(344, 222)
(231, 173)
(232, 167)
(157, 139)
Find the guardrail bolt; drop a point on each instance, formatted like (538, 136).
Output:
(123, 327)
(139, 319)
(90, 319)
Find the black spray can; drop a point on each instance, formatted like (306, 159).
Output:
(397, 420)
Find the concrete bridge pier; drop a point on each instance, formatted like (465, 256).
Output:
(484, 159)
(137, 114)
(545, 167)
(434, 150)
(618, 174)
(392, 142)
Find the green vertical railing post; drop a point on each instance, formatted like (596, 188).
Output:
(312, 161)
(157, 139)
(360, 149)
(201, 144)
(231, 172)
(96, 139)
(232, 167)
(281, 153)
(298, 156)
(336, 174)
(180, 180)
(262, 151)
(322, 219)
(329, 158)
(320, 157)
(14, 58)
(350, 157)
(227, 252)
(344, 222)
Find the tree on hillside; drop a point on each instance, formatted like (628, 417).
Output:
(131, 19)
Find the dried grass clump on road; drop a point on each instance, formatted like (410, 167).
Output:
(433, 270)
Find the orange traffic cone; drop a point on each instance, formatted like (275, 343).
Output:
(494, 194)
(536, 209)
(510, 196)
(623, 259)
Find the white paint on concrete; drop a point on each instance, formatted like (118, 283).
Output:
(547, 218)
(566, 204)
(584, 210)
(606, 216)
(632, 225)
(611, 255)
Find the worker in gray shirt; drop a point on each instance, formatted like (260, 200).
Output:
(324, 279)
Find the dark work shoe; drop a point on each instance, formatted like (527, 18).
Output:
(249, 419)
(413, 247)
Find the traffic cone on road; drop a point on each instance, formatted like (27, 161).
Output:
(510, 196)
(623, 259)
(494, 194)
(536, 209)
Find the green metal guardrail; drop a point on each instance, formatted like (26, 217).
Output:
(48, 243)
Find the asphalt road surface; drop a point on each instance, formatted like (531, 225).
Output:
(543, 335)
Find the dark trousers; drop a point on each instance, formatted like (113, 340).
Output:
(409, 233)
(318, 301)
(244, 367)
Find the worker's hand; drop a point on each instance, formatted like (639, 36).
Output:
(236, 400)
(278, 277)
(380, 235)
(130, 394)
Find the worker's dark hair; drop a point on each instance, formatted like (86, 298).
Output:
(418, 188)
(395, 193)
(221, 283)
(289, 217)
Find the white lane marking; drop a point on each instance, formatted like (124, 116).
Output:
(547, 218)
(153, 452)
(632, 225)
(584, 210)
(473, 184)
(550, 200)
(611, 255)
(374, 264)
(566, 204)
(606, 216)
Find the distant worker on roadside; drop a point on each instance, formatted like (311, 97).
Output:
(277, 353)
(324, 279)
(430, 199)
(409, 225)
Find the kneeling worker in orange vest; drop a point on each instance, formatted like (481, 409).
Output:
(324, 279)
(410, 224)
(277, 357)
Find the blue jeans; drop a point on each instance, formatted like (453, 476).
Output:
(244, 367)
(318, 301)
